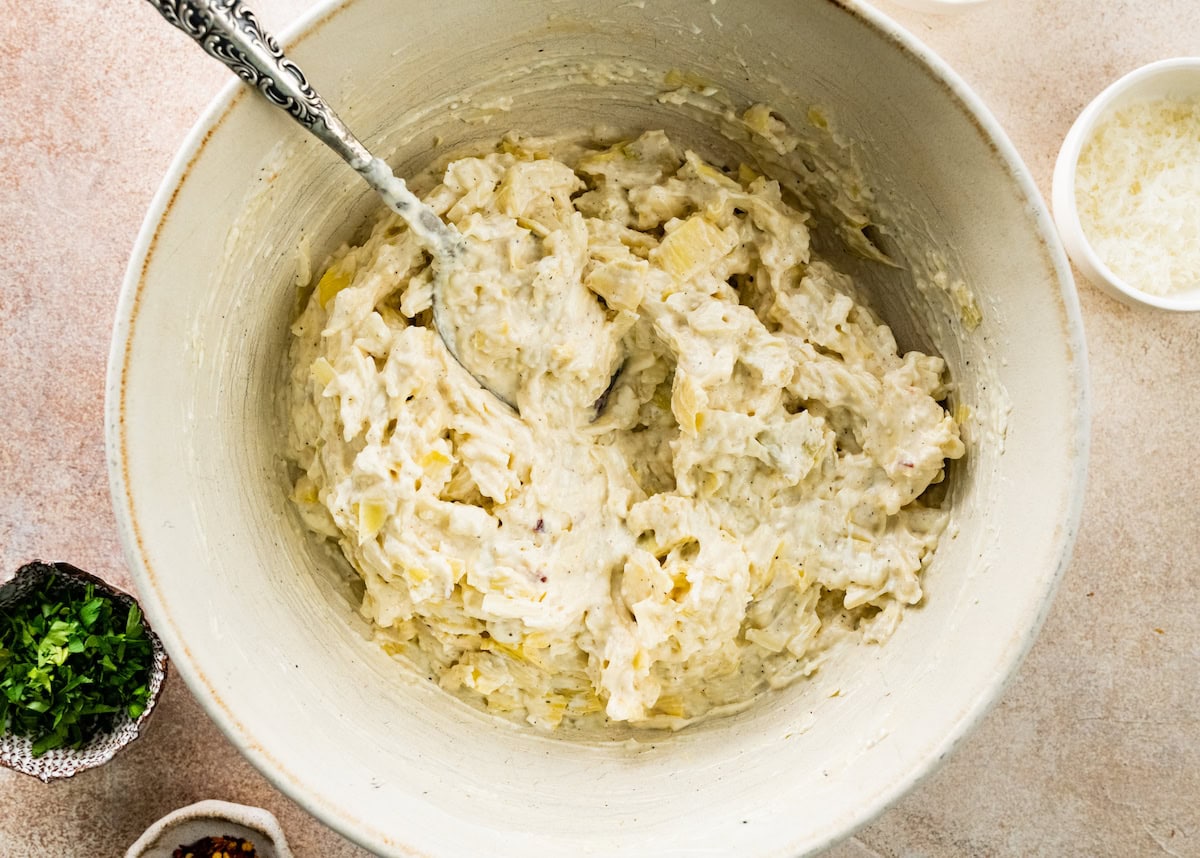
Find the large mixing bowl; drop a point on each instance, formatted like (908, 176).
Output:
(258, 616)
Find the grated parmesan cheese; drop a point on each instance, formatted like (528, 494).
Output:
(1137, 187)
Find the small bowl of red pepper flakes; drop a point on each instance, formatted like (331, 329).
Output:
(213, 829)
(217, 847)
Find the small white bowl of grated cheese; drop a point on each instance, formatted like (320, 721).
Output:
(1126, 189)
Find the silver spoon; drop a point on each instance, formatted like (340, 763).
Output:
(229, 31)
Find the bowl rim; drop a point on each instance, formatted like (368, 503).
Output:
(1066, 209)
(338, 815)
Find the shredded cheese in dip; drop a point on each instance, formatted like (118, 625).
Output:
(650, 549)
(1137, 188)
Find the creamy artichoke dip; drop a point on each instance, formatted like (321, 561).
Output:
(713, 468)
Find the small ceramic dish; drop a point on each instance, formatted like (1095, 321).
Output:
(190, 824)
(16, 752)
(1173, 78)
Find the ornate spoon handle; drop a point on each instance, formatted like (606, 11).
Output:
(230, 32)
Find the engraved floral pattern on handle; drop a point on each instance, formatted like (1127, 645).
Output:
(229, 31)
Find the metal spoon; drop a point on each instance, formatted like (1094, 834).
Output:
(230, 32)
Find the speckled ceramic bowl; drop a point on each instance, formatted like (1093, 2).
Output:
(258, 616)
(187, 825)
(16, 752)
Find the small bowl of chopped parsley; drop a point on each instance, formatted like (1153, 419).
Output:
(80, 671)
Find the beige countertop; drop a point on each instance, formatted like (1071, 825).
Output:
(1093, 750)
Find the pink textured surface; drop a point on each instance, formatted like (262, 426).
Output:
(1095, 748)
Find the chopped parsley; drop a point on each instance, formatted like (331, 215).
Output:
(71, 662)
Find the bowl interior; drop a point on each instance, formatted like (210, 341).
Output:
(259, 616)
(1179, 79)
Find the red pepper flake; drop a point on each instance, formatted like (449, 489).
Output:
(217, 847)
(540, 527)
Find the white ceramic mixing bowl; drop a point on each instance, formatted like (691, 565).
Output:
(256, 614)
